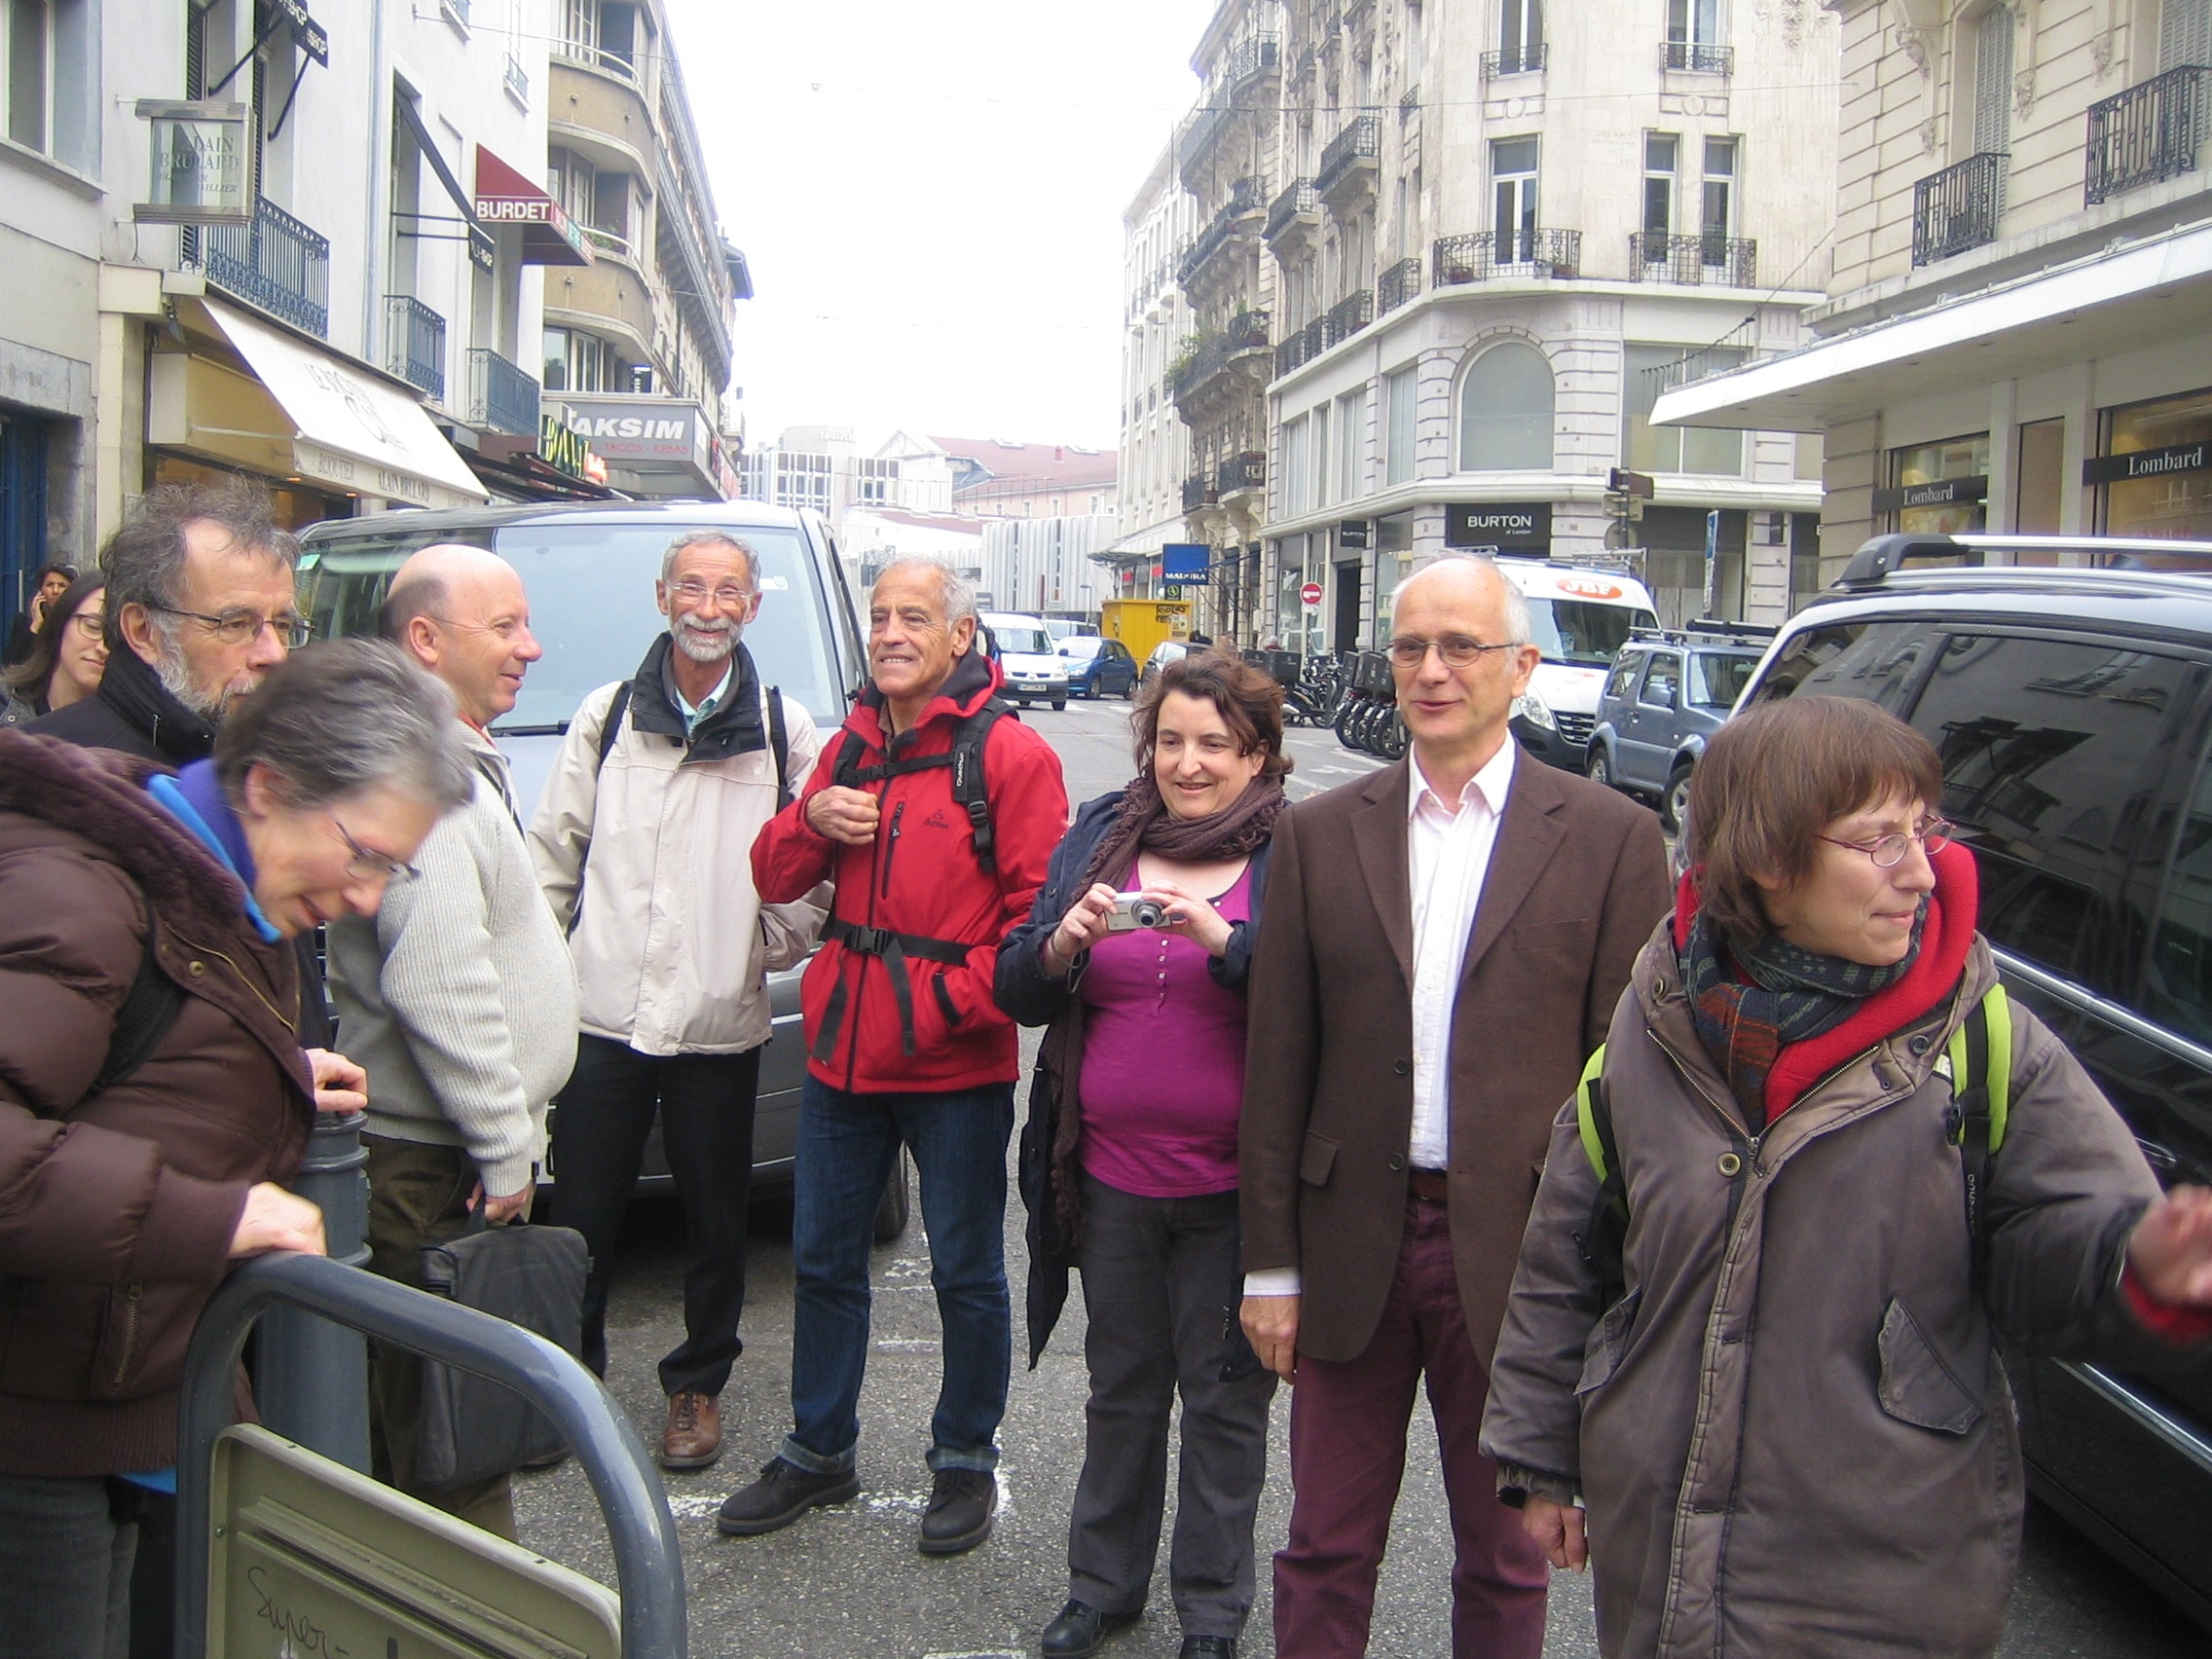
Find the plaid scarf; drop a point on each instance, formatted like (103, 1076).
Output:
(1749, 1004)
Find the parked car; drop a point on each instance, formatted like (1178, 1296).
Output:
(1098, 668)
(1163, 653)
(1579, 615)
(2073, 711)
(1668, 691)
(590, 573)
(1034, 671)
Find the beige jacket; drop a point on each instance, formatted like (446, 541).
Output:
(672, 944)
(1793, 1433)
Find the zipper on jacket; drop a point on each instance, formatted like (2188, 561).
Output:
(891, 849)
(131, 1294)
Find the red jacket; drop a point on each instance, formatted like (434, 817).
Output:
(920, 878)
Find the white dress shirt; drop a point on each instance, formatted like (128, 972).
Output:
(1448, 848)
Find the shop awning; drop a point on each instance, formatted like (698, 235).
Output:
(2093, 307)
(505, 196)
(333, 424)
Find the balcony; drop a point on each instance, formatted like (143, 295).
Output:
(1490, 254)
(501, 397)
(1199, 491)
(1301, 347)
(1697, 57)
(1253, 56)
(1347, 165)
(1959, 207)
(1346, 317)
(2146, 134)
(275, 263)
(516, 78)
(415, 344)
(1523, 60)
(1294, 214)
(1245, 204)
(1396, 285)
(1731, 261)
(1246, 471)
(1223, 363)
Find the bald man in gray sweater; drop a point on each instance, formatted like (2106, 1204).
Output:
(457, 998)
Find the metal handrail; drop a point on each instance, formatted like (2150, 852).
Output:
(1523, 60)
(1958, 207)
(1524, 252)
(501, 395)
(1300, 200)
(1359, 141)
(2146, 134)
(1398, 284)
(274, 262)
(1347, 317)
(415, 344)
(648, 1566)
(1697, 57)
(1693, 260)
(1227, 224)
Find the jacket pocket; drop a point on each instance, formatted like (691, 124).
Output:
(945, 1005)
(1609, 1341)
(1917, 1385)
(1317, 1160)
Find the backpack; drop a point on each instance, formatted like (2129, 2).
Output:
(1977, 1061)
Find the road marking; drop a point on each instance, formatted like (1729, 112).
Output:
(700, 1507)
(907, 1345)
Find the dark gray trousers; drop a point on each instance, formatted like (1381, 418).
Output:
(1162, 1289)
(66, 1550)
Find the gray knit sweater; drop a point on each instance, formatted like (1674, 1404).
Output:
(458, 997)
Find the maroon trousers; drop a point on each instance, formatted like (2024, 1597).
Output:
(1348, 1456)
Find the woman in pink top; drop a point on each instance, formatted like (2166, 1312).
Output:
(1128, 1161)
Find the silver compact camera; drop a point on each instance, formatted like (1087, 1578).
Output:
(1134, 910)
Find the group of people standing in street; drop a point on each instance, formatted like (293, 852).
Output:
(1665, 1191)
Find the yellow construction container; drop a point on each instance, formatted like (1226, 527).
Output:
(1142, 623)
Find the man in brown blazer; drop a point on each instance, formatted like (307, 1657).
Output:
(1441, 948)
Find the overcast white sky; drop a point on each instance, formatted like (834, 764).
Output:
(930, 199)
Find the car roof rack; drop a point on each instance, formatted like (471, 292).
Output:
(1886, 556)
(1709, 630)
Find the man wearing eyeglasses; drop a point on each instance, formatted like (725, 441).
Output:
(642, 843)
(458, 996)
(1443, 946)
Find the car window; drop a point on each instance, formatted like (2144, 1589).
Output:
(592, 606)
(2177, 992)
(1662, 680)
(1719, 678)
(1874, 660)
(1623, 675)
(1022, 641)
(2044, 745)
(1079, 650)
(1569, 630)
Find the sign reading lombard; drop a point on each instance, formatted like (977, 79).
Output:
(1935, 493)
(203, 163)
(2147, 463)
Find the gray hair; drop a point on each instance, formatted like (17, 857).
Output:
(1520, 627)
(341, 717)
(700, 539)
(957, 591)
(144, 559)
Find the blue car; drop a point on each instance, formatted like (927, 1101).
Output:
(1098, 668)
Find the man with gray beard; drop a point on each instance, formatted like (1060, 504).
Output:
(642, 843)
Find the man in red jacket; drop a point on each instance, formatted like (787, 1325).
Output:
(933, 866)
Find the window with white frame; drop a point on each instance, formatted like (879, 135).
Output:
(1398, 406)
(1293, 476)
(1513, 199)
(1713, 450)
(1317, 429)
(48, 80)
(1520, 35)
(1720, 196)
(1693, 22)
(1349, 432)
(1506, 404)
(1662, 157)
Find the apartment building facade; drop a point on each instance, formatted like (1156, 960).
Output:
(2020, 330)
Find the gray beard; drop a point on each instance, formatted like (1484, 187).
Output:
(704, 646)
(177, 679)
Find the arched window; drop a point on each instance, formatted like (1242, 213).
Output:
(1505, 410)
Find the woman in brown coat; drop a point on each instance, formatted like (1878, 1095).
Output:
(153, 1089)
(1789, 1432)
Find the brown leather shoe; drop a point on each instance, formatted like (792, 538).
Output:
(694, 1437)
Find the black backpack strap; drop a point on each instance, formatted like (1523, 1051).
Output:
(894, 948)
(148, 1010)
(607, 733)
(780, 745)
(968, 783)
(1969, 1128)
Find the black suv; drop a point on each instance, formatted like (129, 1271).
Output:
(2073, 711)
(1669, 690)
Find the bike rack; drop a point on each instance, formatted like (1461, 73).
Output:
(648, 1566)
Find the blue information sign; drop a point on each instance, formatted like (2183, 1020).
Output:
(1185, 561)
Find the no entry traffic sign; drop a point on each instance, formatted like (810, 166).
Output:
(1311, 593)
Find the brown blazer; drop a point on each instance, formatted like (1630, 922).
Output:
(1577, 879)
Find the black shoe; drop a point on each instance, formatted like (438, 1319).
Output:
(1080, 1630)
(780, 1495)
(962, 1503)
(1208, 1647)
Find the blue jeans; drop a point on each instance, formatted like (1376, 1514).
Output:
(846, 1146)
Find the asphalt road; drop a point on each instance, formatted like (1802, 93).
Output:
(848, 1580)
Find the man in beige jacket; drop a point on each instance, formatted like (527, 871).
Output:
(643, 840)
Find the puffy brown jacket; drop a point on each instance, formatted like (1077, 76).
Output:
(117, 1210)
(1793, 1432)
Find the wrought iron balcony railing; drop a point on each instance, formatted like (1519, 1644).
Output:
(1299, 201)
(1247, 331)
(1245, 201)
(1523, 60)
(1959, 207)
(1697, 57)
(274, 262)
(1398, 284)
(1199, 491)
(1357, 145)
(1246, 471)
(501, 396)
(1522, 252)
(1253, 56)
(415, 344)
(1302, 347)
(1347, 317)
(2148, 133)
(1706, 257)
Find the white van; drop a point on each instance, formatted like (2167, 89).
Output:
(1579, 615)
(1035, 671)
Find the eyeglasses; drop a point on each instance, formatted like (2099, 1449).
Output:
(238, 627)
(87, 623)
(1888, 851)
(728, 596)
(368, 864)
(1456, 650)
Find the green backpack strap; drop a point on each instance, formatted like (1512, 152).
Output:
(1980, 1055)
(1595, 1137)
(1603, 1240)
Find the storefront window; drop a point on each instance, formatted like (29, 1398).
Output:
(1290, 569)
(2156, 469)
(1937, 488)
(1393, 561)
(294, 506)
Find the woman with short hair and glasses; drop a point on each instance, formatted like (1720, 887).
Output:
(152, 1087)
(66, 658)
(1756, 1382)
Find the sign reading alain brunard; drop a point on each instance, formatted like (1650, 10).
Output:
(1503, 527)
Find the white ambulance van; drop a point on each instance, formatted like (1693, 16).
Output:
(1579, 615)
